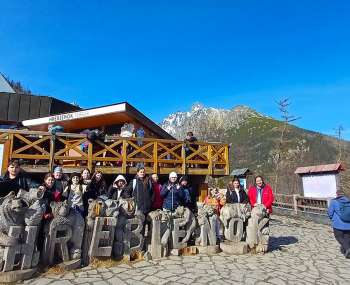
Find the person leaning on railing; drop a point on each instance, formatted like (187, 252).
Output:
(14, 179)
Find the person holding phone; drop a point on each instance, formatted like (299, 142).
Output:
(172, 193)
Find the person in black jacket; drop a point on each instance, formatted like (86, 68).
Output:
(14, 179)
(141, 189)
(190, 200)
(190, 139)
(235, 193)
(117, 189)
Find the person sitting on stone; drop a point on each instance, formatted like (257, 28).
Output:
(235, 193)
(341, 229)
(14, 179)
(117, 189)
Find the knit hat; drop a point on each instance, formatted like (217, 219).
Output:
(172, 174)
(74, 174)
(340, 193)
(57, 169)
(119, 177)
(184, 178)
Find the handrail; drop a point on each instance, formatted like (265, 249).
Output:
(160, 155)
(300, 203)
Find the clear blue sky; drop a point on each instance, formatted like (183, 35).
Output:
(162, 56)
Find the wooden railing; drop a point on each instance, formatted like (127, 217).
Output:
(300, 203)
(160, 156)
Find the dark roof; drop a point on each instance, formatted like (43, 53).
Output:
(240, 171)
(319, 168)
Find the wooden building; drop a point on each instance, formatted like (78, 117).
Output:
(148, 145)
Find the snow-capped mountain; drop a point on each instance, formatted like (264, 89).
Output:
(208, 124)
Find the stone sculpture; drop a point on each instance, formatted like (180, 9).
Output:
(99, 229)
(207, 226)
(258, 229)
(159, 233)
(188, 221)
(18, 233)
(129, 238)
(63, 234)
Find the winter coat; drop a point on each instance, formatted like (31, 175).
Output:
(61, 184)
(334, 214)
(97, 189)
(189, 201)
(217, 204)
(113, 193)
(144, 195)
(231, 196)
(267, 196)
(51, 195)
(21, 181)
(172, 198)
(158, 200)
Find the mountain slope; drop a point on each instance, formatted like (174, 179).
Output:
(255, 141)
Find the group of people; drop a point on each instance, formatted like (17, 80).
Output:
(81, 187)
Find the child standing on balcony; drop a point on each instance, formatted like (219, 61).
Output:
(74, 193)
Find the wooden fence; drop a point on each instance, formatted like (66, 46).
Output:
(300, 203)
(114, 154)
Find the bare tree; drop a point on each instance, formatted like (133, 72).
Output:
(337, 133)
(286, 118)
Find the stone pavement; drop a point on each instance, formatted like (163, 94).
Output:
(300, 252)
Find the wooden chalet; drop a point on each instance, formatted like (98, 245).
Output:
(149, 145)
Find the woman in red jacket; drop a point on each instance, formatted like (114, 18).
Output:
(261, 193)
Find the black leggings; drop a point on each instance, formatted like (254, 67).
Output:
(342, 236)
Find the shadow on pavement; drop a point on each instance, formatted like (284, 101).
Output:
(278, 243)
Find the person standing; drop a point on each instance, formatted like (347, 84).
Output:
(261, 193)
(14, 179)
(158, 200)
(59, 180)
(235, 193)
(141, 189)
(340, 224)
(117, 189)
(190, 139)
(190, 200)
(172, 193)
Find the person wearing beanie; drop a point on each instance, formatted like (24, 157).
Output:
(117, 189)
(61, 183)
(190, 200)
(341, 229)
(172, 193)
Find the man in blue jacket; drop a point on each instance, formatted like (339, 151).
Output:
(172, 193)
(341, 228)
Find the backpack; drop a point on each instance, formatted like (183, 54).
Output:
(95, 135)
(344, 211)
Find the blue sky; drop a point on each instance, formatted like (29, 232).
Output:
(163, 56)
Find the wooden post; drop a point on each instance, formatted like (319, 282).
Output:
(183, 154)
(90, 149)
(227, 167)
(155, 157)
(124, 157)
(11, 146)
(210, 165)
(52, 149)
(295, 202)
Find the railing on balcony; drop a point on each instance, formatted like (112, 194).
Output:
(300, 203)
(115, 154)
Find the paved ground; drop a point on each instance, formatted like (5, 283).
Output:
(301, 252)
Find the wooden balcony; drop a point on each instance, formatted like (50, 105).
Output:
(41, 151)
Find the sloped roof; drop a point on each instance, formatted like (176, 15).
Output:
(319, 168)
(240, 171)
(4, 86)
